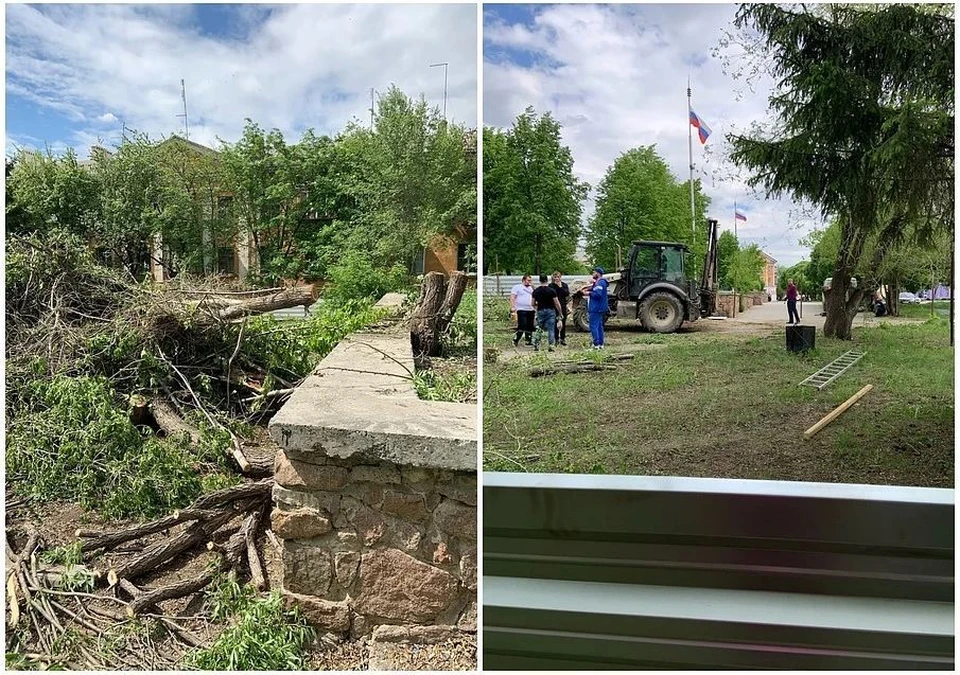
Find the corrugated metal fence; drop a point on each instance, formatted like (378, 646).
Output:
(501, 285)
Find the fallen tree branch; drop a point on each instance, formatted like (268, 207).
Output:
(257, 576)
(571, 368)
(237, 452)
(161, 553)
(91, 540)
(149, 598)
(260, 488)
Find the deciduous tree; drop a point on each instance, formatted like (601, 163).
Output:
(533, 209)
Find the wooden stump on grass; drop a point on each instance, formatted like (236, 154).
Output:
(439, 299)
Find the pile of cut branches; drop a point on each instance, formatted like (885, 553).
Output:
(140, 400)
(61, 613)
(186, 359)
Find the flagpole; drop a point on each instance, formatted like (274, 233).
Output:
(693, 209)
(735, 220)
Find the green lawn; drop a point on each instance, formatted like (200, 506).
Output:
(922, 311)
(730, 406)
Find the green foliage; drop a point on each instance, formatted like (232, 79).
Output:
(225, 597)
(862, 125)
(746, 269)
(381, 193)
(68, 438)
(47, 192)
(297, 346)
(727, 247)
(456, 387)
(462, 337)
(263, 636)
(69, 554)
(355, 277)
(384, 192)
(532, 201)
(640, 199)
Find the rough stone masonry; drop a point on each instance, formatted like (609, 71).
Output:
(376, 495)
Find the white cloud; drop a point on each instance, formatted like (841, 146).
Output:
(616, 76)
(299, 67)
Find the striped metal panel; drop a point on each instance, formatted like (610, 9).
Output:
(595, 572)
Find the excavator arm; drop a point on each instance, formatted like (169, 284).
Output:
(708, 281)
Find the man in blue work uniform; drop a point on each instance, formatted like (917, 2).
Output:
(598, 306)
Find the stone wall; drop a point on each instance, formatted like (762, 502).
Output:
(725, 301)
(376, 495)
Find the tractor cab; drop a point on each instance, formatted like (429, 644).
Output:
(657, 262)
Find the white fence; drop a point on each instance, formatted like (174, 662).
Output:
(501, 285)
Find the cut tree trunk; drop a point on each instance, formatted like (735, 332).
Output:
(438, 302)
(288, 297)
(171, 423)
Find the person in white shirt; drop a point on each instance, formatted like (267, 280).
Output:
(521, 305)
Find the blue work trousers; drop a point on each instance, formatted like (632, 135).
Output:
(596, 327)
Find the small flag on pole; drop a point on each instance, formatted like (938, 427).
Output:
(739, 216)
(702, 129)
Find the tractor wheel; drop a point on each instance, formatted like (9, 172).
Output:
(581, 321)
(661, 312)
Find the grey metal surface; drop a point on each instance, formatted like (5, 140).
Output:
(638, 572)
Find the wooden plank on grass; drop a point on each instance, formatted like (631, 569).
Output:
(809, 433)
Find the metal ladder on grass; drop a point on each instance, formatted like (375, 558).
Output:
(833, 370)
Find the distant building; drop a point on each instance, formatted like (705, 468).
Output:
(769, 275)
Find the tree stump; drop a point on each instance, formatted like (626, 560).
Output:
(438, 302)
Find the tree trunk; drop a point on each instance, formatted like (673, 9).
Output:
(893, 297)
(841, 302)
(171, 423)
(436, 306)
(289, 297)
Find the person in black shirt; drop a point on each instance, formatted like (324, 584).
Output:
(545, 300)
(563, 295)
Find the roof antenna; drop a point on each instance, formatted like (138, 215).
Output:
(186, 125)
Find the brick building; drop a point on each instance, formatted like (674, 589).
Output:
(769, 275)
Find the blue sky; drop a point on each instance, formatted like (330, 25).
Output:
(77, 74)
(615, 76)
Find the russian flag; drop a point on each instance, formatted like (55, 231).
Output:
(739, 216)
(702, 129)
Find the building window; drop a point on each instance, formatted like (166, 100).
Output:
(467, 257)
(417, 265)
(224, 206)
(226, 262)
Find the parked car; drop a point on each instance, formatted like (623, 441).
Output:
(907, 298)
